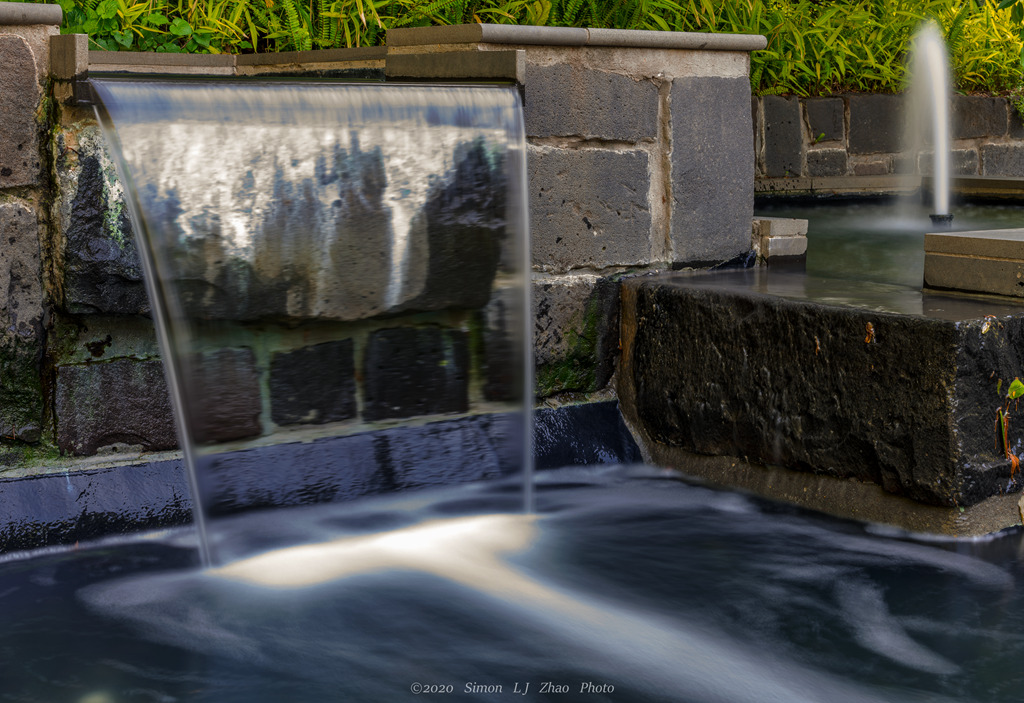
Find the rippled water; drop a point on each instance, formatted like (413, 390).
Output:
(628, 585)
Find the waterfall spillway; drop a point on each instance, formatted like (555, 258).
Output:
(929, 112)
(322, 253)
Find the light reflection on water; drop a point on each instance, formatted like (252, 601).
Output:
(628, 578)
(882, 242)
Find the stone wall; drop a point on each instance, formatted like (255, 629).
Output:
(862, 135)
(639, 158)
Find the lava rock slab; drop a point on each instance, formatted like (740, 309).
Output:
(907, 401)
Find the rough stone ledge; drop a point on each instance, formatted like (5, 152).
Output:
(713, 364)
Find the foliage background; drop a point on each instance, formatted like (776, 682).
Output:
(815, 47)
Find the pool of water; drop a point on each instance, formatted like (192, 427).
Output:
(628, 585)
(880, 241)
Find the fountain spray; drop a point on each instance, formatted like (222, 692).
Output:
(930, 81)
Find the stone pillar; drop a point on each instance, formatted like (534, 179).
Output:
(25, 31)
(640, 156)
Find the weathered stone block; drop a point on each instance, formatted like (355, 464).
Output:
(826, 162)
(826, 118)
(990, 261)
(784, 137)
(963, 162)
(222, 395)
(975, 117)
(1016, 129)
(874, 167)
(1002, 160)
(904, 401)
(415, 371)
(564, 100)
(19, 143)
(314, 384)
(121, 402)
(21, 323)
(503, 329)
(876, 123)
(102, 272)
(575, 333)
(712, 169)
(589, 208)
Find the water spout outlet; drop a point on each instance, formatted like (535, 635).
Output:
(942, 221)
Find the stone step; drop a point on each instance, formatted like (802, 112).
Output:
(988, 261)
(841, 378)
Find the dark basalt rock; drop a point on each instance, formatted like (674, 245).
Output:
(907, 401)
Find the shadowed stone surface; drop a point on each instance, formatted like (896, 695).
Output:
(589, 208)
(315, 384)
(410, 371)
(584, 434)
(826, 118)
(712, 169)
(1002, 160)
(826, 162)
(575, 333)
(19, 144)
(21, 323)
(908, 403)
(223, 396)
(122, 402)
(503, 351)
(876, 123)
(783, 133)
(102, 272)
(978, 117)
(564, 100)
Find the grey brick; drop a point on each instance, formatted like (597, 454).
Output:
(783, 135)
(963, 162)
(826, 162)
(223, 396)
(826, 119)
(589, 208)
(1002, 160)
(712, 169)
(564, 100)
(19, 143)
(122, 402)
(876, 123)
(315, 384)
(975, 117)
(415, 371)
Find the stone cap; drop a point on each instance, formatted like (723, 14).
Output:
(995, 243)
(21, 13)
(572, 36)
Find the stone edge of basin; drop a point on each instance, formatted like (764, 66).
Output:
(94, 499)
(573, 36)
(24, 13)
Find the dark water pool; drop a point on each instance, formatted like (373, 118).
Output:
(629, 585)
(880, 241)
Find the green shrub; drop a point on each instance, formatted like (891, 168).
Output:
(815, 47)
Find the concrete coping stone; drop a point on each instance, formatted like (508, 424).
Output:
(23, 13)
(995, 243)
(573, 36)
(104, 60)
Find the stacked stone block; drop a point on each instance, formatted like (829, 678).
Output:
(23, 191)
(863, 135)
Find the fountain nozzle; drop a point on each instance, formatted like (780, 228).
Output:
(944, 221)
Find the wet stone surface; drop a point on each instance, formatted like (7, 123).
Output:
(907, 401)
(313, 385)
